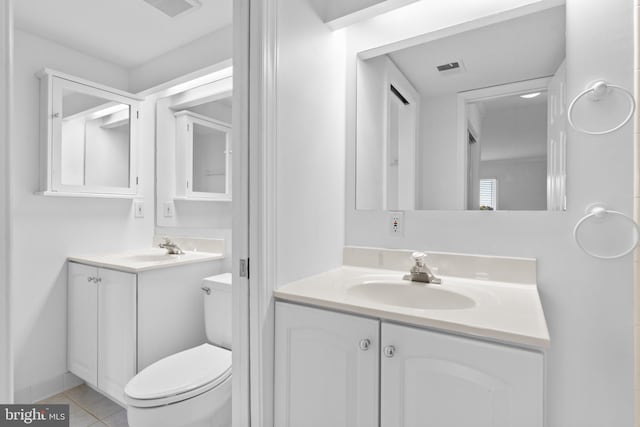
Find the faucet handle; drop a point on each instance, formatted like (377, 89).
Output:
(419, 257)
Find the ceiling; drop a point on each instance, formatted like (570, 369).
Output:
(518, 49)
(124, 32)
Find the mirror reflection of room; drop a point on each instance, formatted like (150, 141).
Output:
(471, 120)
(132, 211)
(95, 141)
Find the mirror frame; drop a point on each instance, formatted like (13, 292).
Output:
(52, 84)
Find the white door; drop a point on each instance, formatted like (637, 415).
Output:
(556, 139)
(116, 331)
(326, 373)
(439, 380)
(83, 322)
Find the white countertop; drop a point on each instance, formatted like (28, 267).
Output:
(143, 260)
(507, 312)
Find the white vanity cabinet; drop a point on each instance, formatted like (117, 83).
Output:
(326, 368)
(412, 377)
(432, 379)
(102, 327)
(120, 322)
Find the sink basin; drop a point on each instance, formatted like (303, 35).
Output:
(150, 257)
(411, 295)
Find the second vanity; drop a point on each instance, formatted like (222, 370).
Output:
(128, 310)
(360, 346)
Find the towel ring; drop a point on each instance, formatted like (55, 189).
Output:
(600, 212)
(598, 91)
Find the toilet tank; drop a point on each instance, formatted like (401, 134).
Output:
(217, 309)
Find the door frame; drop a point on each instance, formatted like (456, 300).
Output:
(241, 385)
(262, 199)
(6, 101)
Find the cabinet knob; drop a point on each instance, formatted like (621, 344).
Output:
(364, 344)
(98, 279)
(389, 351)
(89, 279)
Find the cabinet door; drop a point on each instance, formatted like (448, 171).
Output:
(324, 375)
(116, 331)
(83, 322)
(438, 380)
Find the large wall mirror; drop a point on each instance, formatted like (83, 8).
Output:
(89, 138)
(472, 120)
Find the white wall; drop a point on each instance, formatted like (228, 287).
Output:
(214, 110)
(107, 158)
(522, 183)
(6, 345)
(310, 143)
(516, 131)
(72, 152)
(201, 53)
(438, 153)
(47, 229)
(588, 303)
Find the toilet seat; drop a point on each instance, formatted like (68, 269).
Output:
(179, 377)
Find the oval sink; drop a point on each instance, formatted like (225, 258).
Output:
(411, 295)
(150, 257)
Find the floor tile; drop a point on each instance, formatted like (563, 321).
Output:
(78, 417)
(118, 419)
(93, 402)
(58, 399)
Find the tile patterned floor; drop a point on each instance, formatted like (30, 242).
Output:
(88, 408)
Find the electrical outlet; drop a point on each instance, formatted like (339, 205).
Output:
(138, 209)
(396, 223)
(168, 209)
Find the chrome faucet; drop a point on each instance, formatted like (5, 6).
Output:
(171, 247)
(420, 272)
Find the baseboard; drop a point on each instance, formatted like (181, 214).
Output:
(45, 389)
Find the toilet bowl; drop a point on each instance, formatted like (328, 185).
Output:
(191, 388)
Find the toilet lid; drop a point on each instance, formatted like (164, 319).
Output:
(181, 373)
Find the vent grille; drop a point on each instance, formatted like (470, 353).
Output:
(448, 67)
(173, 8)
(452, 67)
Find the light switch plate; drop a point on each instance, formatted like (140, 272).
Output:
(167, 209)
(138, 209)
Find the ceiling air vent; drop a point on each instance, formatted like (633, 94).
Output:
(449, 66)
(173, 8)
(453, 67)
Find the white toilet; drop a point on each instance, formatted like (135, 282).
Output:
(191, 388)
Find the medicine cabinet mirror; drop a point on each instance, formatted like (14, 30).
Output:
(472, 119)
(193, 140)
(205, 142)
(88, 138)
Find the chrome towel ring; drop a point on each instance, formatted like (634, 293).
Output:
(597, 91)
(600, 212)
